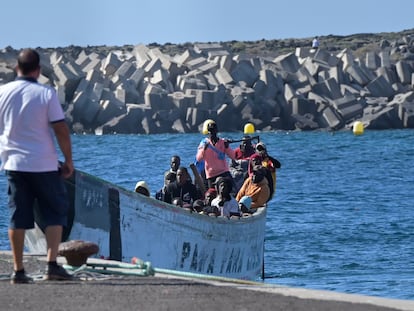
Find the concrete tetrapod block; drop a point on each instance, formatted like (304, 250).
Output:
(244, 71)
(334, 88)
(196, 63)
(223, 76)
(372, 60)
(204, 99)
(406, 114)
(67, 78)
(302, 106)
(357, 74)
(381, 118)
(125, 70)
(347, 58)
(82, 59)
(93, 64)
(331, 118)
(304, 122)
(380, 87)
(111, 64)
(404, 72)
(351, 111)
(194, 117)
(181, 100)
(385, 59)
(211, 81)
(187, 83)
(325, 58)
(161, 77)
(141, 55)
(389, 74)
(154, 65)
(127, 123)
(136, 77)
(227, 63)
(6, 74)
(288, 62)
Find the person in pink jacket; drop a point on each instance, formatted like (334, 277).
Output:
(213, 150)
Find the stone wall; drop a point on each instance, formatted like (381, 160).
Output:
(143, 90)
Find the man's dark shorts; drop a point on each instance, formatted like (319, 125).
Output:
(46, 189)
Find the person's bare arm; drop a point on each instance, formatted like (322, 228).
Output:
(63, 138)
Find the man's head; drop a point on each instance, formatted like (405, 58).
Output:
(182, 175)
(142, 187)
(261, 149)
(259, 173)
(246, 145)
(175, 163)
(209, 126)
(210, 194)
(169, 178)
(223, 186)
(28, 63)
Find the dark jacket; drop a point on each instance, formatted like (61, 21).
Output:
(187, 192)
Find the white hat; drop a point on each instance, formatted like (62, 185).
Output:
(142, 184)
(262, 145)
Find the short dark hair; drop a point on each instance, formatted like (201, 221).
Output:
(28, 61)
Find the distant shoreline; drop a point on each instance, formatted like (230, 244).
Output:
(274, 84)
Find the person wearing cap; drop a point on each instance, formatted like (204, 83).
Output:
(213, 150)
(142, 188)
(225, 202)
(256, 187)
(182, 188)
(271, 164)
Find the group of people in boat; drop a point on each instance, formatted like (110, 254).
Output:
(222, 187)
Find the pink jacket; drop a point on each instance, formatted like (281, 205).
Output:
(215, 162)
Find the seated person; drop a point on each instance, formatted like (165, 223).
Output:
(205, 205)
(142, 188)
(225, 202)
(271, 164)
(245, 150)
(168, 178)
(181, 188)
(256, 187)
(174, 165)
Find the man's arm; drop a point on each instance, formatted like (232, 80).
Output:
(62, 134)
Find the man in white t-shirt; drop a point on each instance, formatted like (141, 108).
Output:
(30, 114)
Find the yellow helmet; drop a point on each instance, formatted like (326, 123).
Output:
(206, 124)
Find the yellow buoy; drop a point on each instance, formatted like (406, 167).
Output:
(358, 128)
(205, 126)
(249, 128)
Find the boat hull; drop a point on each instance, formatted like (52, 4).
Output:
(125, 225)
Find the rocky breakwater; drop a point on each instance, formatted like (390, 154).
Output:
(143, 90)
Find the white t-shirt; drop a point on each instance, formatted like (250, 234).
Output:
(26, 138)
(228, 207)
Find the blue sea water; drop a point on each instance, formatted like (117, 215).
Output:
(342, 216)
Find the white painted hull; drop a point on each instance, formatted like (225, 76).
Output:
(125, 225)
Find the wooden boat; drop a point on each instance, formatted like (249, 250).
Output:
(126, 224)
